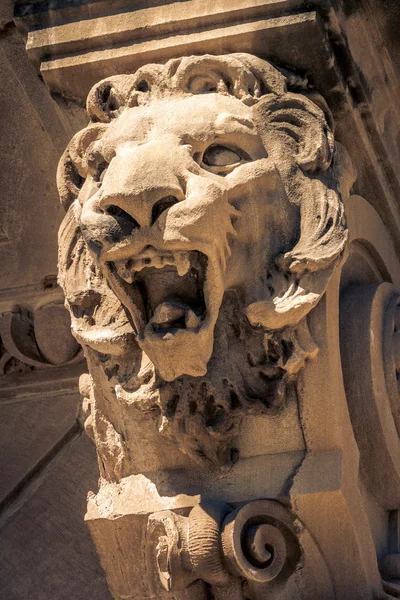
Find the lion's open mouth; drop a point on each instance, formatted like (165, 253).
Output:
(173, 298)
(170, 287)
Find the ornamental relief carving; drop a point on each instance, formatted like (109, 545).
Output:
(204, 220)
(250, 552)
(27, 339)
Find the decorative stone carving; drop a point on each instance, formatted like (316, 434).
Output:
(204, 220)
(38, 339)
(369, 323)
(370, 331)
(256, 543)
(10, 364)
(258, 550)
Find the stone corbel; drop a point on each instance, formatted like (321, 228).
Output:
(192, 334)
(206, 265)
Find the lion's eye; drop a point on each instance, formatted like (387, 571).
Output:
(220, 156)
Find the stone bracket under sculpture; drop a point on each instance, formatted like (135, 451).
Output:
(204, 221)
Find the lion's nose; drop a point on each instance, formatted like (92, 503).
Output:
(161, 205)
(143, 182)
(141, 210)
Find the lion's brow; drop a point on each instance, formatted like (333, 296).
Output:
(226, 118)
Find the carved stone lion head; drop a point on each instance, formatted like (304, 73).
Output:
(205, 194)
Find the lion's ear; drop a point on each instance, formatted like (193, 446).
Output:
(106, 99)
(302, 127)
(72, 168)
(104, 102)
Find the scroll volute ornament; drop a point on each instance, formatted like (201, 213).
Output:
(204, 220)
(256, 543)
(369, 337)
(253, 552)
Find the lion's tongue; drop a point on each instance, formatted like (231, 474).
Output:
(170, 315)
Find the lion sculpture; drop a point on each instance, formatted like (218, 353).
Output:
(204, 220)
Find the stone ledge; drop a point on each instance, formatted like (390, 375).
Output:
(41, 382)
(76, 47)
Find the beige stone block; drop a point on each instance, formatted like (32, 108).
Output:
(46, 550)
(31, 429)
